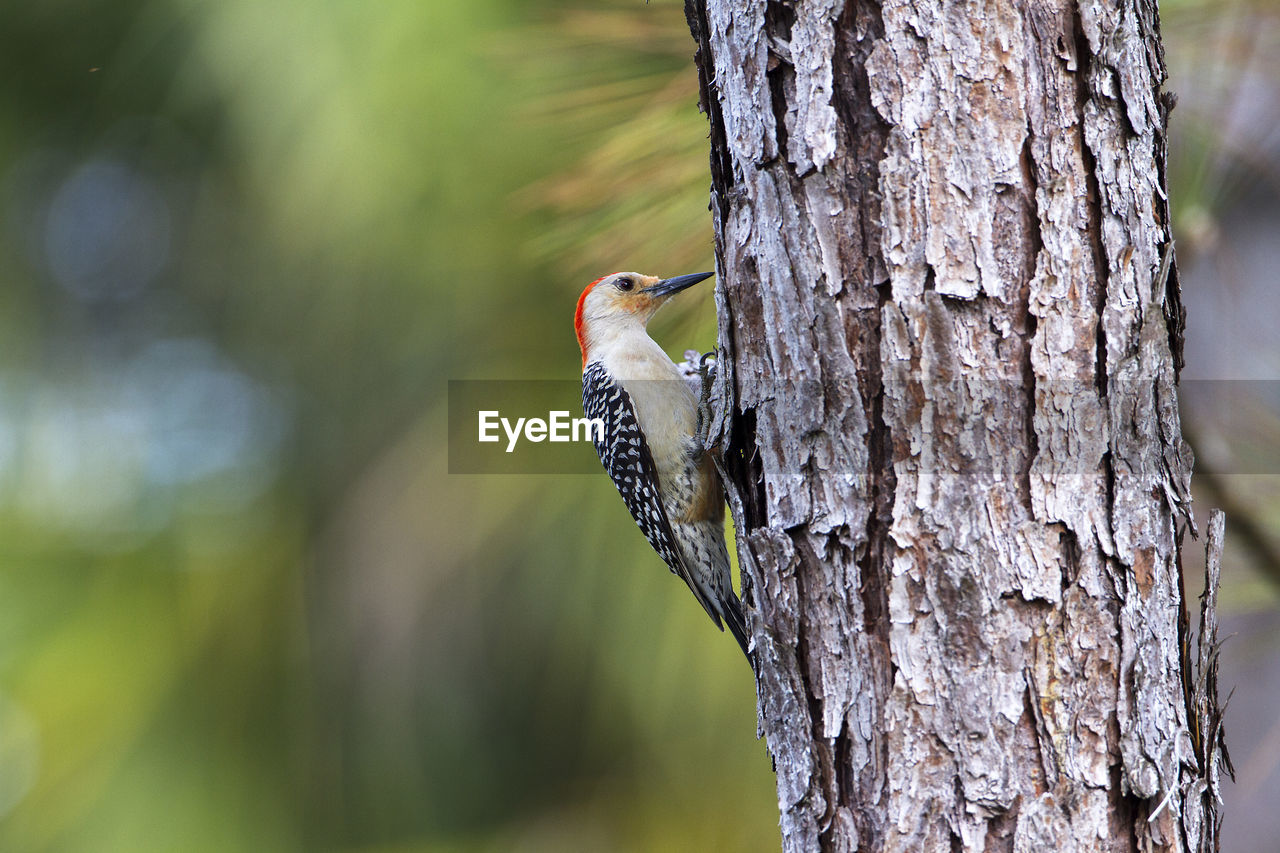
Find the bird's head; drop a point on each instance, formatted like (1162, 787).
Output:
(622, 299)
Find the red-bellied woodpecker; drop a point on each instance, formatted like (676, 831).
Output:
(650, 447)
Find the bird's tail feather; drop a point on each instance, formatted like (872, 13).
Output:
(736, 624)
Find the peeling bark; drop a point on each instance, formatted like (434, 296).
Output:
(947, 420)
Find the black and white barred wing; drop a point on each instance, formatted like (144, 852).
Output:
(625, 455)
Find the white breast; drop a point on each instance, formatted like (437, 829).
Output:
(665, 405)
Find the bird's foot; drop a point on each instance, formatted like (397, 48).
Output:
(707, 372)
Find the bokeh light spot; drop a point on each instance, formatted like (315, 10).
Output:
(108, 232)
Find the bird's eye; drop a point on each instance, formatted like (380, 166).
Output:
(624, 284)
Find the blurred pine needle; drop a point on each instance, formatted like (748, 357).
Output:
(626, 85)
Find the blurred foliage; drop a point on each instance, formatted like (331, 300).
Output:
(243, 606)
(1224, 61)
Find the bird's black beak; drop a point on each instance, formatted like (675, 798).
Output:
(668, 286)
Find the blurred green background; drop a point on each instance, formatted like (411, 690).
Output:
(243, 247)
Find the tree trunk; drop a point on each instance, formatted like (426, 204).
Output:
(947, 418)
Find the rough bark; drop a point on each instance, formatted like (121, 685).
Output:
(947, 415)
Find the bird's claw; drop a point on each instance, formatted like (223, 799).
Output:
(707, 370)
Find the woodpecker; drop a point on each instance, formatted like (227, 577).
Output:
(650, 447)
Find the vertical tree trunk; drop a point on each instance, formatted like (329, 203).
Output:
(948, 421)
